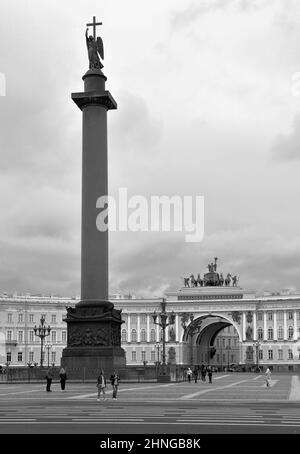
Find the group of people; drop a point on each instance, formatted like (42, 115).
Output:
(101, 382)
(202, 371)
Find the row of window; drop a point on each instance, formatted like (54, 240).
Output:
(31, 318)
(34, 338)
(143, 335)
(280, 333)
(279, 352)
(230, 342)
(279, 315)
(31, 357)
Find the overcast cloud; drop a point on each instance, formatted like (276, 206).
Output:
(205, 107)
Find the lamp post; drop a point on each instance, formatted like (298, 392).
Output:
(256, 345)
(42, 331)
(48, 347)
(163, 320)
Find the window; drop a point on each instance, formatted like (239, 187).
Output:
(218, 342)
(291, 332)
(9, 318)
(53, 357)
(280, 354)
(143, 319)
(260, 354)
(143, 356)
(290, 315)
(153, 356)
(280, 315)
(31, 318)
(133, 356)
(133, 319)
(31, 356)
(20, 336)
(270, 333)
(124, 335)
(235, 342)
(8, 357)
(260, 333)
(280, 332)
(232, 358)
(143, 335)
(270, 316)
(133, 335)
(20, 356)
(64, 337)
(229, 342)
(270, 354)
(53, 318)
(218, 358)
(9, 335)
(290, 353)
(31, 336)
(259, 316)
(152, 335)
(223, 342)
(20, 318)
(53, 337)
(223, 357)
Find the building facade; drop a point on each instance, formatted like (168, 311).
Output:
(216, 325)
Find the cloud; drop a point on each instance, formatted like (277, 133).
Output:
(287, 146)
(195, 10)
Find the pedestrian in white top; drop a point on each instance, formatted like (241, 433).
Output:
(189, 374)
(268, 377)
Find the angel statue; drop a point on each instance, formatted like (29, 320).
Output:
(94, 47)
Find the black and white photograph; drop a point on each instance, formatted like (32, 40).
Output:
(150, 224)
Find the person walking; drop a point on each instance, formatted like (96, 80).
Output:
(49, 378)
(209, 373)
(114, 379)
(203, 372)
(189, 374)
(101, 385)
(196, 374)
(268, 377)
(63, 378)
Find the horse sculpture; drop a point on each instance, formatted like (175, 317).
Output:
(186, 281)
(228, 280)
(193, 280)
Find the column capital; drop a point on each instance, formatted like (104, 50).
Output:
(103, 99)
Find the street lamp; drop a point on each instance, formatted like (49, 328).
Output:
(256, 345)
(42, 332)
(163, 320)
(48, 347)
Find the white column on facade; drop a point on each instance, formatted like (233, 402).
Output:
(157, 333)
(254, 326)
(176, 328)
(265, 325)
(138, 328)
(167, 334)
(295, 326)
(128, 329)
(148, 328)
(244, 326)
(275, 326)
(284, 326)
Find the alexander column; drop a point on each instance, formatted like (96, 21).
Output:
(94, 326)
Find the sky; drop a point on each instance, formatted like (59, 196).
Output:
(208, 104)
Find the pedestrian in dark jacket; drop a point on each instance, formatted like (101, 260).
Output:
(63, 378)
(101, 385)
(114, 379)
(209, 373)
(49, 378)
(195, 374)
(203, 372)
